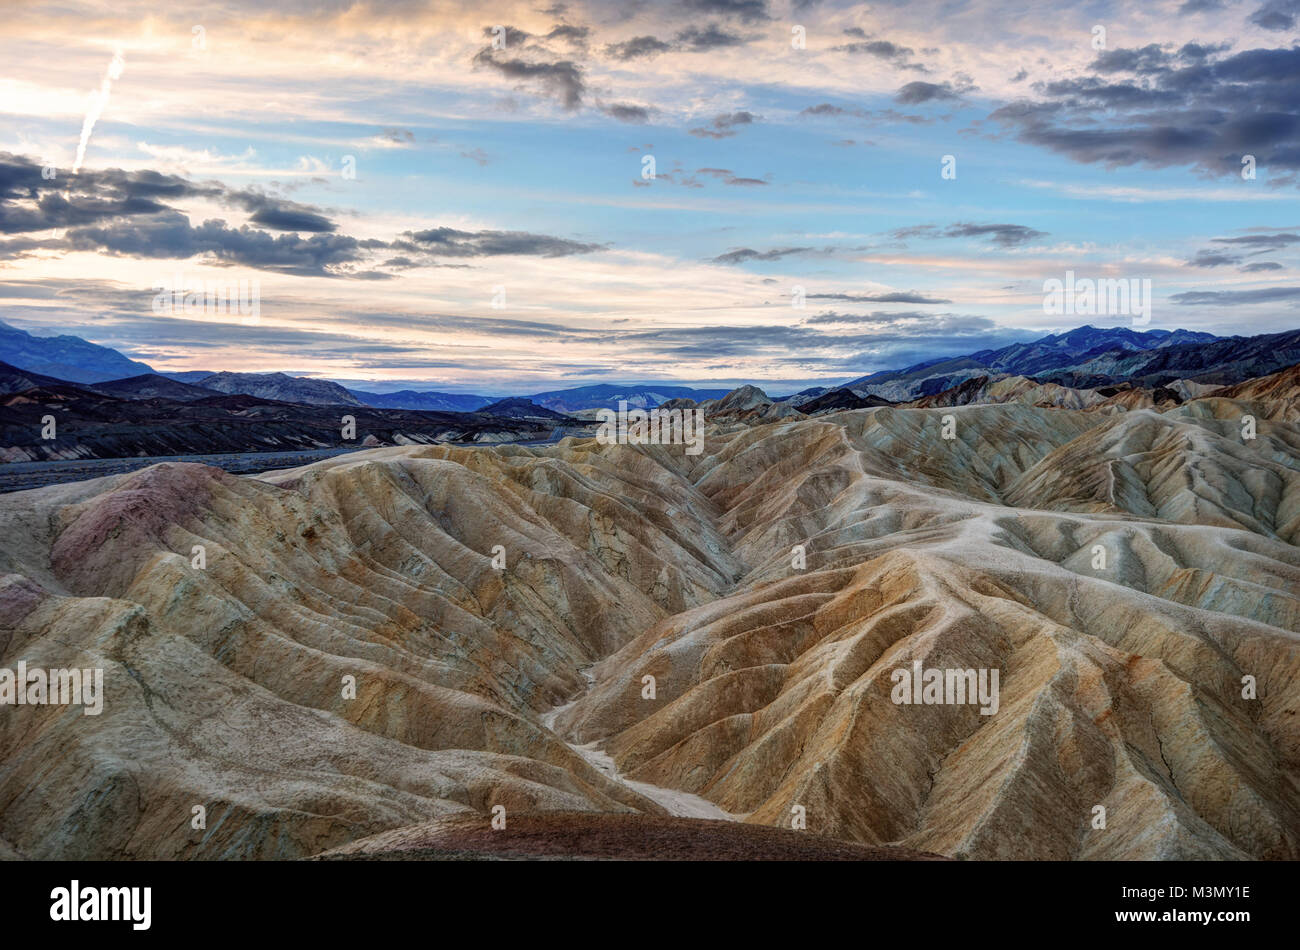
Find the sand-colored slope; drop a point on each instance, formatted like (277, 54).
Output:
(1120, 686)
(377, 568)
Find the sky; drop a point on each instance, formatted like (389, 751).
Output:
(515, 197)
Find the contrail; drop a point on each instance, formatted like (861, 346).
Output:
(98, 100)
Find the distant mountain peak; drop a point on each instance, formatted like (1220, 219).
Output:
(281, 387)
(65, 357)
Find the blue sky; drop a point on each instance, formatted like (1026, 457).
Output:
(514, 176)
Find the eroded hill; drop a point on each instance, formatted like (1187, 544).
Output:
(770, 586)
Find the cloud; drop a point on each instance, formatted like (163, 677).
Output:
(1003, 235)
(626, 112)
(1147, 59)
(170, 235)
(698, 40)
(1262, 242)
(513, 37)
(1213, 259)
(742, 254)
(280, 214)
(1277, 15)
(824, 109)
(561, 79)
(910, 296)
(1231, 297)
(917, 92)
(637, 47)
(895, 338)
(117, 213)
(577, 35)
(728, 177)
(747, 11)
(1196, 106)
(724, 125)
(30, 203)
(449, 242)
(886, 50)
(693, 39)
(912, 320)
(1259, 266)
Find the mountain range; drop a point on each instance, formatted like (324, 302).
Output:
(65, 357)
(1052, 352)
(1085, 357)
(72, 359)
(150, 415)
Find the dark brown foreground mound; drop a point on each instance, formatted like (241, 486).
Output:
(590, 836)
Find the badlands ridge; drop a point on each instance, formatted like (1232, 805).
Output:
(770, 586)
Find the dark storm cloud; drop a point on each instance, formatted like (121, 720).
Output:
(116, 213)
(170, 235)
(1196, 106)
(280, 214)
(29, 202)
(53, 210)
